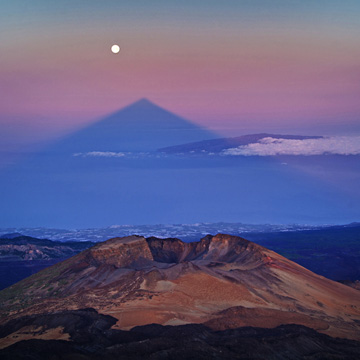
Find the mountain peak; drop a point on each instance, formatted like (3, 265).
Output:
(223, 281)
(129, 251)
(134, 251)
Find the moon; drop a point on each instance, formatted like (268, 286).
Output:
(115, 49)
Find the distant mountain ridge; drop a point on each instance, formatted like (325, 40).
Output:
(10, 235)
(30, 248)
(22, 256)
(218, 145)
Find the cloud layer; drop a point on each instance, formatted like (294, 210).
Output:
(340, 145)
(100, 154)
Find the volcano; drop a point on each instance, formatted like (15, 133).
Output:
(223, 282)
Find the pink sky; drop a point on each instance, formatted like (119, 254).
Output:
(232, 70)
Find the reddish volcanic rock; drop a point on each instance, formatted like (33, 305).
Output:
(120, 252)
(229, 249)
(175, 251)
(223, 281)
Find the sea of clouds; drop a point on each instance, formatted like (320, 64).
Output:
(339, 145)
(100, 154)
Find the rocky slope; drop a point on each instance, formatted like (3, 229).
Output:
(354, 284)
(222, 281)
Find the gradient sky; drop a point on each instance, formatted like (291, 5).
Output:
(235, 66)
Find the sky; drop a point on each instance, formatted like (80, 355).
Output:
(233, 66)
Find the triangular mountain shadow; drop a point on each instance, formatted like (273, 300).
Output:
(141, 126)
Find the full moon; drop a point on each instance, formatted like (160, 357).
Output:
(115, 49)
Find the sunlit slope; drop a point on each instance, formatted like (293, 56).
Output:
(222, 281)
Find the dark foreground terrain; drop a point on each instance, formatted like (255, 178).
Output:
(91, 337)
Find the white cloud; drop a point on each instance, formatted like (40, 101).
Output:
(100, 154)
(340, 145)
